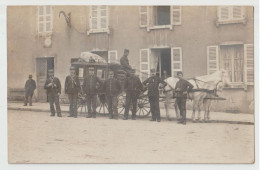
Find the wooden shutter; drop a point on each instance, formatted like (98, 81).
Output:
(144, 64)
(212, 59)
(48, 18)
(112, 56)
(103, 21)
(249, 63)
(175, 15)
(176, 57)
(94, 17)
(238, 12)
(224, 13)
(41, 19)
(143, 13)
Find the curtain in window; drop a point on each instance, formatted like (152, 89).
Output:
(231, 59)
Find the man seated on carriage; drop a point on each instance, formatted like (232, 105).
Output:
(153, 83)
(72, 88)
(125, 62)
(132, 87)
(181, 91)
(112, 89)
(91, 85)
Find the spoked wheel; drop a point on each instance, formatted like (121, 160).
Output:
(143, 107)
(81, 103)
(103, 108)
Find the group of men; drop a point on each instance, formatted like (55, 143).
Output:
(111, 87)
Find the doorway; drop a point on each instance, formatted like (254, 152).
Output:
(42, 67)
(161, 61)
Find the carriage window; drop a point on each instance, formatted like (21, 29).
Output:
(99, 74)
(81, 71)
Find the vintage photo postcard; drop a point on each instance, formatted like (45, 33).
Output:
(130, 84)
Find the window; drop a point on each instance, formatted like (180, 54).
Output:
(112, 57)
(44, 20)
(237, 59)
(159, 17)
(231, 14)
(98, 19)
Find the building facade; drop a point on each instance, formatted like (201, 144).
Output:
(197, 40)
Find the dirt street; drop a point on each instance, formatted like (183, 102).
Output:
(35, 137)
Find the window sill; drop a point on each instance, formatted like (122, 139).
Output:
(44, 34)
(155, 27)
(96, 31)
(240, 85)
(239, 21)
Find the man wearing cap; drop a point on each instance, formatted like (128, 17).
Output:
(72, 88)
(53, 87)
(90, 88)
(29, 88)
(132, 87)
(153, 83)
(181, 90)
(125, 62)
(112, 89)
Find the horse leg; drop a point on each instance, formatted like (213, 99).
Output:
(166, 108)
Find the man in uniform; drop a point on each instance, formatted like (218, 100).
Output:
(153, 94)
(132, 86)
(90, 87)
(72, 88)
(53, 87)
(181, 89)
(125, 62)
(29, 88)
(112, 89)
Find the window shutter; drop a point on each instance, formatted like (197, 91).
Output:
(94, 17)
(112, 56)
(143, 13)
(249, 63)
(144, 64)
(224, 13)
(48, 18)
(212, 59)
(176, 15)
(41, 19)
(103, 17)
(176, 57)
(238, 12)
(45, 19)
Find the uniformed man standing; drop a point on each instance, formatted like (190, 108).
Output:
(90, 87)
(153, 94)
(125, 62)
(53, 87)
(72, 88)
(29, 88)
(132, 86)
(112, 89)
(181, 89)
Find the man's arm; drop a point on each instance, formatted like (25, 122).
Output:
(46, 85)
(189, 85)
(66, 85)
(34, 85)
(58, 86)
(162, 82)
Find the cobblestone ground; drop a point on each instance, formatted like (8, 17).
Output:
(35, 137)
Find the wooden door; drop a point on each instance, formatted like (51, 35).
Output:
(41, 72)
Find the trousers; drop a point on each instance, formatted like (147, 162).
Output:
(131, 98)
(28, 98)
(73, 104)
(181, 102)
(54, 98)
(91, 103)
(154, 106)
(112, 103)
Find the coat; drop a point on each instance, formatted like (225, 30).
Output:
(133, 85)
(72, 85)
(55, 88)
(112, 87)
(29, 87)
(91, 85)
(153, 85)
(182, 87)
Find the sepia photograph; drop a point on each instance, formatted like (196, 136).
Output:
(118, 84)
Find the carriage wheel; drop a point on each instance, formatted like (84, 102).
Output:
(102, 108)
(81, 104)
(143, 107)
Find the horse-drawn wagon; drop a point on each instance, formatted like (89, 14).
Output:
(101, 68)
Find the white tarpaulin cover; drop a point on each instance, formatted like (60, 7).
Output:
(88, 55)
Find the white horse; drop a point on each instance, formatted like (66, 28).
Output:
(213, 82)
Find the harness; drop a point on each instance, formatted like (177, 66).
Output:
(214, 91)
